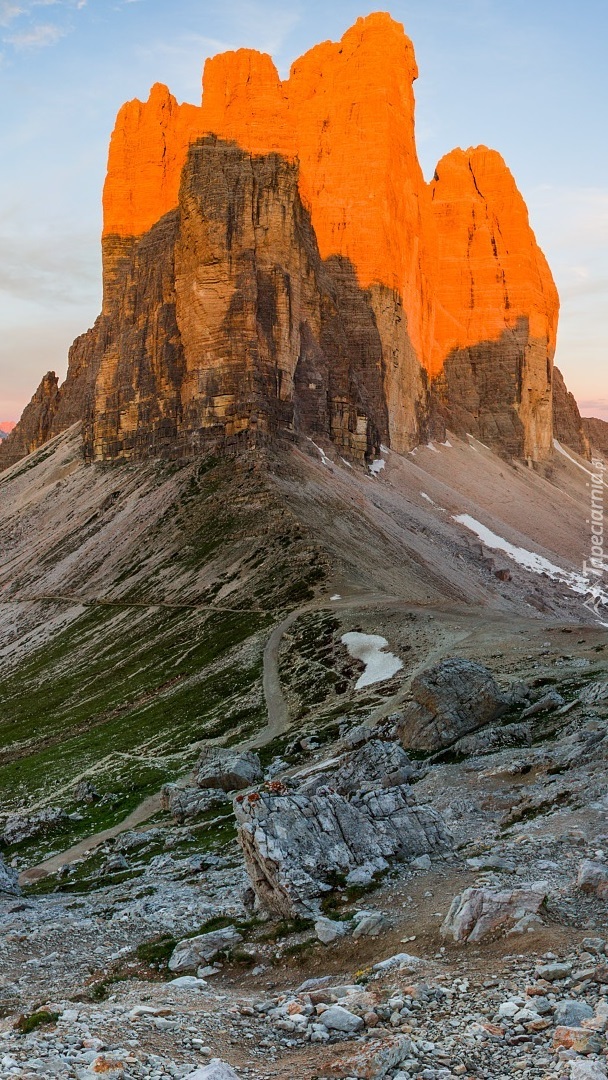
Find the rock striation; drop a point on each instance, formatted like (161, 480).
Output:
(568, 425)
(296, 847)
(274, 262)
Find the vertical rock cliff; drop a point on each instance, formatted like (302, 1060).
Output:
(274, 261)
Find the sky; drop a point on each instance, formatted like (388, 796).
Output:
(528, 77)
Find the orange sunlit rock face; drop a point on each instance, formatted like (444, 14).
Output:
(485, 265)
(459, 252)
(147, 153)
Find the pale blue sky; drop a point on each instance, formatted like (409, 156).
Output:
(528, 77)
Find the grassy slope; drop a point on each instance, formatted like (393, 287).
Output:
(124, 690)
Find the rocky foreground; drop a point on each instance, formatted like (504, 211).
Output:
(352, 910)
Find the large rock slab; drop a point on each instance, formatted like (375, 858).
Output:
(477, 913)
(227, 770)
(377, 764)
(297, 846)
(450, 700)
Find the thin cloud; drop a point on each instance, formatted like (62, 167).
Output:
(38, 37)
(9, 12)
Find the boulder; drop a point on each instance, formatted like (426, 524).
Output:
(587, 1070)
(228, 770)
(374, 1060)
(297, 846)
(570, 1012)
(184, 804)
(190, 952)
(593, 878)
(86, 792)
(376, 764)
(337, 1018)
(548, 703)
(8, 879)
(450, 700)
(477, 912)
(328, 930)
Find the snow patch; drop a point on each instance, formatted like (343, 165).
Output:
(423, 495)
(324, 457)
(368, 648)
(336, 596)
(377, 466)
(447, 443)
(535, 563)
(384, 449)
(430, 446)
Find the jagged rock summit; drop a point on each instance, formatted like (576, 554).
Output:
(274, 262)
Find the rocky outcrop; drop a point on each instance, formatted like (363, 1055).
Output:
(296, 847)
(568, 425)
(596, 431)
(450, 700)
(36, 424)
(274, 262)
(494, 307)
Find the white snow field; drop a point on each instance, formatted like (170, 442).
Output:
(368, 648)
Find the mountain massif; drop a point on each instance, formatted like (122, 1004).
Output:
(274, 263)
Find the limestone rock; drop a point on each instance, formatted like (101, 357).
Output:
(568, 425)
(19, 827)
(593, 878)
(337, 1018)
(187, 803)
(328, 930)
(477, 912)
(191, 952)
(376, 764)
(227, 770)
(296, 845)
(450, 700)
(215, 1070)
(8, 879)
(569, 1012)
(587, 1070)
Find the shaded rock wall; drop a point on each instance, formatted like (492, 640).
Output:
(568, 425)
(222, 323)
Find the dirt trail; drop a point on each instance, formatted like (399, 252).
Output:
(145, 810)
(278, 717)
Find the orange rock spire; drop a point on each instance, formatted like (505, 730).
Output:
(485, 265)
(459, 252)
